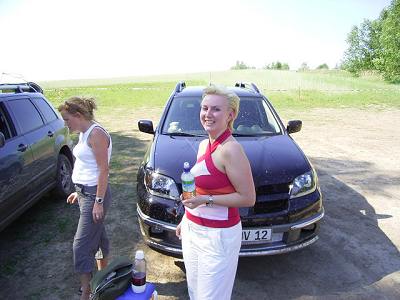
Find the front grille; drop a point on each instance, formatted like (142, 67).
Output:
(272, 198)
(267, 207)
(282, 188)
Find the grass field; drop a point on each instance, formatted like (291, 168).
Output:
(285, 89)
(353, 149)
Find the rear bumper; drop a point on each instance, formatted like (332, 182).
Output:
(285, 238)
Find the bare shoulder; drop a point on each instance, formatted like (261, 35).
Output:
(99, 131)
(97, 135)
(232, 149)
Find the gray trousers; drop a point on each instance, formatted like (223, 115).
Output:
(90, 237)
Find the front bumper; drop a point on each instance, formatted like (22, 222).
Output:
(285, 238)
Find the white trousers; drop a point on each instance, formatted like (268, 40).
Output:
(211, 257)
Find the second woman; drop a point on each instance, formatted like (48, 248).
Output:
(90, 176)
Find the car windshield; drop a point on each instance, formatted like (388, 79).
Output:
(255, 118)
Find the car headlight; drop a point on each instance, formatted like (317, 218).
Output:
(303, 184)
(160, 185)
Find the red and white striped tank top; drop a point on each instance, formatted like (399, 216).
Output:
(211, 181)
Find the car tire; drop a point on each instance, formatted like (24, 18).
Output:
(64, 185)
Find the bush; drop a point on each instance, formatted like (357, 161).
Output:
(323, 67)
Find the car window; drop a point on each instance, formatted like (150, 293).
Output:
(4, 127)
(184, 116)
(26, 114)
(46, 110)
(272, 123)
(254, 118)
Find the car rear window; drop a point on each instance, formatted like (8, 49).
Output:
(26, 114)
(4, 127)
(46, 110)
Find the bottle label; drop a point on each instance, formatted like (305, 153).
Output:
(139, 278)
(188, 183)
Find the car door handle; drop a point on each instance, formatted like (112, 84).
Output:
(22, 147)
(50, 134)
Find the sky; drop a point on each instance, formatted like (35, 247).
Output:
(77, 39)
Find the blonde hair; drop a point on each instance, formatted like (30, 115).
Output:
(78, 104)
(231, 97)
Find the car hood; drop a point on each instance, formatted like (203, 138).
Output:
(273, 160)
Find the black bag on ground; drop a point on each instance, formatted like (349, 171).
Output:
(112, 281)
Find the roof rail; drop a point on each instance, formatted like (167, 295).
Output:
(240, 84)
(37, 88)
(21, 87)
(180, 86)
(244, 85)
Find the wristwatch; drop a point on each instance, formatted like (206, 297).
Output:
(210, 201)
(99, 200)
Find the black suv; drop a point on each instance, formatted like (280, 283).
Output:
(288, 206)
(35, 150)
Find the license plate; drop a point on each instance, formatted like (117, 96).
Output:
(256, 235)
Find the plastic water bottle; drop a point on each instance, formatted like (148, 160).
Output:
(188, 185)
(139, 273)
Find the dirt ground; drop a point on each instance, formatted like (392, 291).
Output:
(356, 153)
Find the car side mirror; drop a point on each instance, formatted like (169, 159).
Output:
(294, 126)
(146, 126)
(2, 140)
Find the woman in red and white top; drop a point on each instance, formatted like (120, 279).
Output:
(211, 230)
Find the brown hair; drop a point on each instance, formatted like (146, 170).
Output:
(78, 104)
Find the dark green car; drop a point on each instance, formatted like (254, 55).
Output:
(35, 150)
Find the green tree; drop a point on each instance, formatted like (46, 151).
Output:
(277, 66)
(285, 66)
(375, 45)
(359, 56)
(304, 67)
(240, 65)
(322, 67)
(389, 60)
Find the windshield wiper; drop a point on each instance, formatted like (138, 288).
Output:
(184, 134)
(251, 134)
(243, 134)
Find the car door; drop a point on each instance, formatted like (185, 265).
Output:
(54, 127)
(16, 159)
(40, 138)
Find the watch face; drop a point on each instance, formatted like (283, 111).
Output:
(99, 200)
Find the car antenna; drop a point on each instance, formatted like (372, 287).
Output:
(15, 75)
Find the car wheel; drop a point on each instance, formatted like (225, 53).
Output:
(64, 185)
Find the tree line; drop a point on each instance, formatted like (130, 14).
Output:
(240, 65)
(372, 46)
(375, 45)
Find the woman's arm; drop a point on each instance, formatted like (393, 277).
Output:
(99, 142)
(238, 170)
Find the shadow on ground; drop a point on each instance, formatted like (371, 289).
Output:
(36, 249)
(352, 254)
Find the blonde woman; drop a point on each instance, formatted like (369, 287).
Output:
(211, 229)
